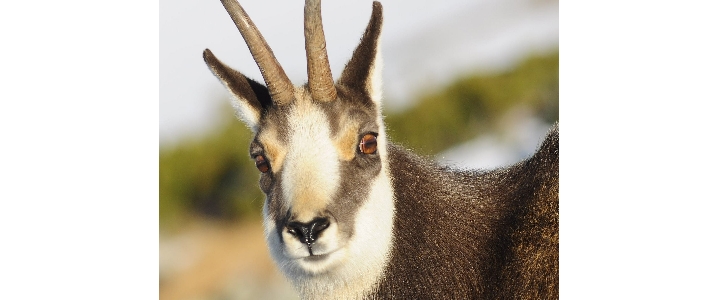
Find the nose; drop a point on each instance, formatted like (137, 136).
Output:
(307, 233)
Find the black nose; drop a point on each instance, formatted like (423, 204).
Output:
(307, 233)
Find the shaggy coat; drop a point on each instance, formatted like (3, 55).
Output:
(468, 234)
(349, 215)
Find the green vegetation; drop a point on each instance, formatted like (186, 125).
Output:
(473, 105)
(213, 176)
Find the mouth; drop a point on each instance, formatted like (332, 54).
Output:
(318, 262)
(316, 258)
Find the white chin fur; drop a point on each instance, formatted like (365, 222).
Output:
(326, 252)
(351, 267)
(349, 270)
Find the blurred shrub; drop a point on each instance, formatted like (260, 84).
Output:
(473, 104)
(214, 177)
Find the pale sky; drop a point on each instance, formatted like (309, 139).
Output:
(425, 44)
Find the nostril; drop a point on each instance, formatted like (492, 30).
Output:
(296, 229)
(293, 231)
(319, 224)
(308, 233)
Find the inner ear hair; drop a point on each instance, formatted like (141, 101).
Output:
(253, 93)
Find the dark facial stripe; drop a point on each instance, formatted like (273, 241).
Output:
(356, 175)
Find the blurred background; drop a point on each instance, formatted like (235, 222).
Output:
(479, 76)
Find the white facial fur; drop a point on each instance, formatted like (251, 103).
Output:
(295, 135)
(311, 167)
(346, 269)
(359, 264)
(310, 178)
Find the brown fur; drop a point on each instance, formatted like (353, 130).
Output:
(457, 234)
(474, 234)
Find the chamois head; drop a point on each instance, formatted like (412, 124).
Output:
(321, 152)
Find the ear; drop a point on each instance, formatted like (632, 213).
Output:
(363, 72)
(251, 98)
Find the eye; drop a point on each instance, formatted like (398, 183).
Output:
(368, 144)
(261, 163)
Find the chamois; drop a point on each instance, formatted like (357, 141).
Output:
(350, 215)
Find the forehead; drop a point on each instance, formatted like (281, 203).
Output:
(303, 116)
(307, 143)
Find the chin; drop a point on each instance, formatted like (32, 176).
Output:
(319, 264)
(294, 259)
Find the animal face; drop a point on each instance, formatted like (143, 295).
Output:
(318, 164)
(321, 151)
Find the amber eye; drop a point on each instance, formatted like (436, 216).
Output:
(261, 163)
(368, 144)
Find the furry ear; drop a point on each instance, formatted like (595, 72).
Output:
(363, 72)
(251, 98)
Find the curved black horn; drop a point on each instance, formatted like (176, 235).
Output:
(279, 86)
(321, 84)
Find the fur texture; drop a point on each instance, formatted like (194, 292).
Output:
(463, 234)
(394, 225)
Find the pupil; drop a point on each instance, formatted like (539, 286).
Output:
(368, 144)
(261, 164)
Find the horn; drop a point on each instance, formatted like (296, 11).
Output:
(321, 84)
(280, 87)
